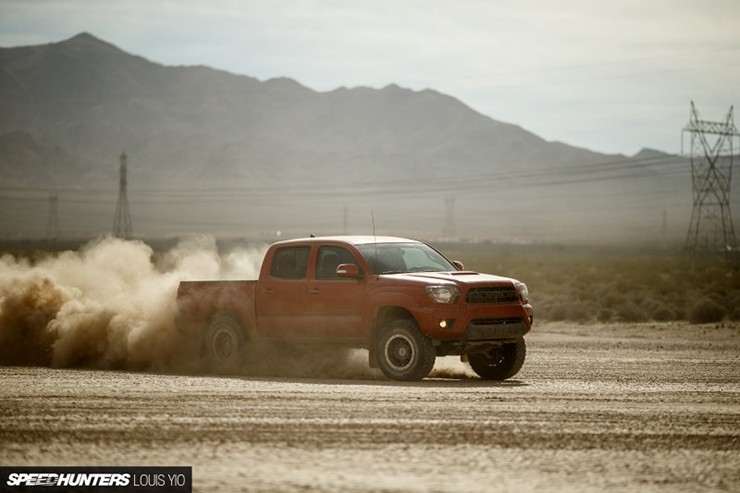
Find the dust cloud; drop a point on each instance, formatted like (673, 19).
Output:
(112, 305)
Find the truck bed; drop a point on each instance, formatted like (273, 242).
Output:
(198, 301)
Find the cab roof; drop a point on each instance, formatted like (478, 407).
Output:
(354, 240)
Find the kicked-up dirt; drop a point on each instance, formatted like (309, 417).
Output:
(616, 407)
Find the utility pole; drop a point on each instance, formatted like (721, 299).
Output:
(665, 230)
(712, 147)
(52, 224)
(122, 222)
(450, 230)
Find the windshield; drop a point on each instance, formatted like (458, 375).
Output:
(392, 258)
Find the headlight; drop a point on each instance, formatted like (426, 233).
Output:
(523, 292)
(443, 294)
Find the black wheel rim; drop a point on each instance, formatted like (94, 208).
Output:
(400, 352)
(223, 343)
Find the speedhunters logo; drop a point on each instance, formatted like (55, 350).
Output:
(67, 479)
(91, 479)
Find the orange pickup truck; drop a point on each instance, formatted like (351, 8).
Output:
(400, 299)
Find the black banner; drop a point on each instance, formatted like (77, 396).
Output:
(96, 479)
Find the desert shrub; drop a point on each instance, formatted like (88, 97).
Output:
(723, 300)
(580, 312)
(734, 301)
(706, 311)
(604, 315)
(555, 312)
(611, 299)
(663, 314)
(632, 313)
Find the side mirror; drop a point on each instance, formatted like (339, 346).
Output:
(348, 271)
(458, 264)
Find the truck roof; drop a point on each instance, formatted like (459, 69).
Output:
(354, 240)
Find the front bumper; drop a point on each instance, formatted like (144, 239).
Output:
(494, 329)
(466, 322)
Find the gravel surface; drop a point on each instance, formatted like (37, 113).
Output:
(617, 408)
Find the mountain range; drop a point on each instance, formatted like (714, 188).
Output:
(213, 152)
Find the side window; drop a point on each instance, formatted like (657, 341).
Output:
(329, 259)
(290, 262)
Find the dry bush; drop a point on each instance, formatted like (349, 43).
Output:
(605, 315)
(581, 312)
(664, 314)
(553, 310)
(707, 311)
(632, 313)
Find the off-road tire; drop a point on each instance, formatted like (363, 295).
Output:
(403, 352)
(224, 342)
(501, 362)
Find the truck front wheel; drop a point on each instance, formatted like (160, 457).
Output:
(500, 362)
(224, 342)
(403, 352)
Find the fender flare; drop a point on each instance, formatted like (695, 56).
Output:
(382, 308)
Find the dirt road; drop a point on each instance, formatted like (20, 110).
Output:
(641, 408)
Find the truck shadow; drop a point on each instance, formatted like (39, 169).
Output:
(344, 367)
(433, 382)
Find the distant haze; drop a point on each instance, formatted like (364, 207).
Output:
(209, 151)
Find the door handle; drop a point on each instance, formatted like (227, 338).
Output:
(268, 290)
(314, 291)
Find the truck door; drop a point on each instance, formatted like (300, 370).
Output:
(334, 304)
(281, 295)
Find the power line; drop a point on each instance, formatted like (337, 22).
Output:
(534, 176)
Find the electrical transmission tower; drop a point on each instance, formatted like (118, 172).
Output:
(52, 225)
(122, 222)
(711, 229)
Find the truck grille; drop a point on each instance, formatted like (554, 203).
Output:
(501, 294)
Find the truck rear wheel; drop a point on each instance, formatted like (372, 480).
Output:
(501, 362)
(403, 352)
(225, 341)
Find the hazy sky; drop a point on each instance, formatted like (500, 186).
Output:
(609, 75)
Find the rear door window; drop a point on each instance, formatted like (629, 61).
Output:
(290, 262)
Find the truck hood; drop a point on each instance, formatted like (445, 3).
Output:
(467, 278)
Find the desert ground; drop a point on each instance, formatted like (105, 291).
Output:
(618, 407)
